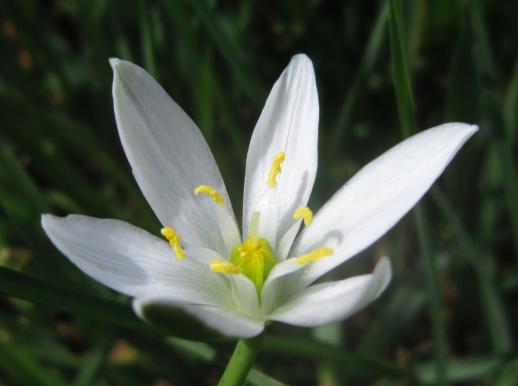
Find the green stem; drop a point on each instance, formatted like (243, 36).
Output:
(241, 361)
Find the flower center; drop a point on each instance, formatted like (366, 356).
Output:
(254, 257)
(255, 260)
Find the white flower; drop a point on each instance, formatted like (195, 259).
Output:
(233, 284)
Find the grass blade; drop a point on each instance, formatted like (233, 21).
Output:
(232, 54)
(24, 369)
(405, 104)
(369, 58)
(22, 286)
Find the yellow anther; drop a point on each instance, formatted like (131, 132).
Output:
(225, 266)
(276, 168)
(211, 192)
(174, 241)
(315, 255)
(303, 212)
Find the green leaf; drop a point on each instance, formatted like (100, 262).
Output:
(24, 369)
(493, 309)
(460, 370)
(232, 53)
(403, 88)
(493, 114)
(397, 313)
(463, 88)
(509, 374)
(22, 286)
(400, 70)
(370, 56)
(362, 366)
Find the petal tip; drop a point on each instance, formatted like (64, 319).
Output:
(466, 128)
(301, 57)
(137, 305)
(114, 62)
(473, 129)
(383, 271)
(122, 67)
(384, 265)
(47, 219)
(301, 60)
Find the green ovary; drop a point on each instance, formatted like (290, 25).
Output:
(255, 260)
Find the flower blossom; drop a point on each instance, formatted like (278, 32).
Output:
(202, 266)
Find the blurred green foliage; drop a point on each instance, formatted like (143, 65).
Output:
(450, 314)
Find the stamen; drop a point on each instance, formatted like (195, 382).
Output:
(254, 224)
(276, 168)
(315, 255)
(225, 266)
(303, 212)
(174, 241)
(211, 192)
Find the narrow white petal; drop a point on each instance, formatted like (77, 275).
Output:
(378, 196)
(170, 158)
(242, 294)
(286, 241)
(202, 255)
(331, 302)
(289, 124)
(132, 261)
(282, 281)
(226, 322)
(245, 295)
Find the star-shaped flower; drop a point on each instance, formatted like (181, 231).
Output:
(232, 282)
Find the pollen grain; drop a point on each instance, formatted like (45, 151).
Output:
(304, 212)
(174, 241)
(276, 168)
(315, 255)
(211, 192)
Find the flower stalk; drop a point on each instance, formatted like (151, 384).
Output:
(241, 361)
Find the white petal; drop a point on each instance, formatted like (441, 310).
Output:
(286, 241)
(331, 302)
(228, 323)
(170, 158)
(132, 261)
(242, 294)
(245, 295)
(282, 281)
(378, 196)
(202, 255)
(288, 123)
